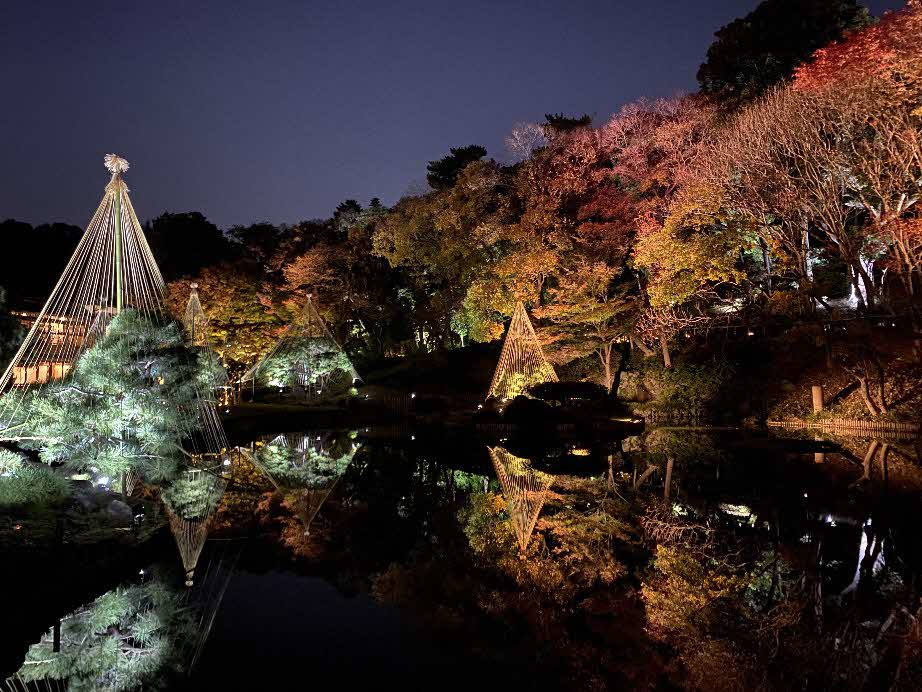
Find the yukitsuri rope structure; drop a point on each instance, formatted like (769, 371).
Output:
(111, 270)
(521, 362)
(304, 453)
(310, 325)
(525, 491)
(205, 598)
(194, 320)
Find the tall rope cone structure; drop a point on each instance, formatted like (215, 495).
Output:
(306, 499)
(525, 491)
(310, 325)
(112, 269)
(521, 362)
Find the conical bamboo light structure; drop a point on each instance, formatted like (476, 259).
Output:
(309, 326)
(525, 491)
(111, 270)
(521, 362)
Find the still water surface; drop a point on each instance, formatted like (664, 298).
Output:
(674, 559)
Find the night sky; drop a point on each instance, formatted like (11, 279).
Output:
(278, 111)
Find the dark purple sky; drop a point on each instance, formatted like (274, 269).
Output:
(280, 110)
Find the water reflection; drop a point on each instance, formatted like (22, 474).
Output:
(740, 557)
(305, 467)
(525, 491)
(135, 636)
(191, 502)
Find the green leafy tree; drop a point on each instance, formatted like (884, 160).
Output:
(184, 243)
(129, 403)
(25, 483)
(763, 48)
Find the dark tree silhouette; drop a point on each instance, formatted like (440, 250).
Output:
(444, 172)
(762, 49)
(184, 243)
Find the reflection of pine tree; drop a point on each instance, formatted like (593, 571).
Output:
(131, 402)
(134, 637)
(121, 641)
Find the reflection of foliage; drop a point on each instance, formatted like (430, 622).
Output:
(307, 361)
(571, 551)
(23, 482)
(291, 467)
(685, 597)
(121, 641)
(193, 495)
(682, 446)
(128, 403)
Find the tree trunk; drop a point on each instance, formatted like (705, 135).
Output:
(856, 286)
(604, 352)
(869, 288)
(866, 396)
(767, 263)
(881, 395)
(664, 345)
(638, 342)
(669, 462)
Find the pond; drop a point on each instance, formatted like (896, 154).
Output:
(425, 558)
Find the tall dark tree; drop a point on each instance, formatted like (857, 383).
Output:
(184, 243)
(762, 49)
(257, 241)
(444, 172)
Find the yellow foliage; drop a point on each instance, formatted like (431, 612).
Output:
(697, 246)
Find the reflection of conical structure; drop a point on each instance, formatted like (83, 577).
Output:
(217, 568)
(307, 503)
(521, 362)
(525, 491)
(16, 683)
(111, 271)
(310, 327)
(194, 320)
(305, 469)
(191, 504)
